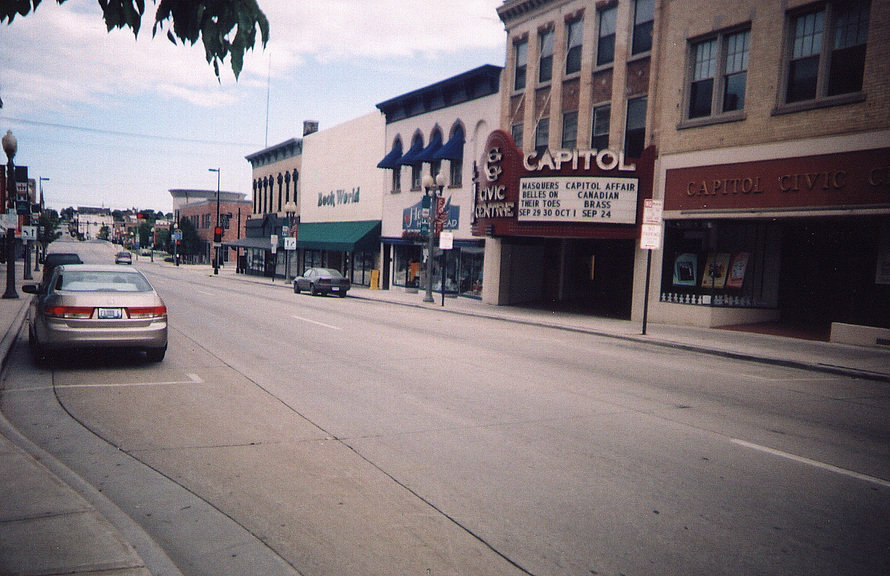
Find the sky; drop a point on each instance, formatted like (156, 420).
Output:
(116, 121)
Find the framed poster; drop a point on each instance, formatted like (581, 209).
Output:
(716, 270)
(737, 270)
(686, 270)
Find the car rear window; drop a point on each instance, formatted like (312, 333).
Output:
(80, 281)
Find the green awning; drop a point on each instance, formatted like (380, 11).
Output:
(339, 236)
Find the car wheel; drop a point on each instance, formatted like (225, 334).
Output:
(296, 288)
(156, 354)
(313, 290)
(342, 294)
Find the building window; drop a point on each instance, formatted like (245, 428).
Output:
(516, 132)
(827, 55)
(397, 179)
(416, 175)
(605, 46)
(635, 130)
(521, 65)
(644, 17)
(545, 63)
(599, 139)
(726, 58)
(570, 130)
(542, 135)
(574, 34)
(456, 163)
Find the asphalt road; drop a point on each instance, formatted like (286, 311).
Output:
(291, 434)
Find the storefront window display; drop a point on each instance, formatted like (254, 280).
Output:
(721, 263)
(363, 263)
(463, 269)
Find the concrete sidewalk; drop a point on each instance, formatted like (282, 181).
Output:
(51, 522)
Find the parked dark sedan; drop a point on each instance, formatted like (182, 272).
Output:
(53, 259)
(322, 281)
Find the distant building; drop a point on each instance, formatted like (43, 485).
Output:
(199, 207)
(90, 221)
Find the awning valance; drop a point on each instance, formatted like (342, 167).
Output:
(391, 160)
(410, 157)
(434, 146)
(453, 149)
(339, 236)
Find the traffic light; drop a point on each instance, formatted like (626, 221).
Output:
(217, 234)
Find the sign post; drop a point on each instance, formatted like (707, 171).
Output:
(650, 239)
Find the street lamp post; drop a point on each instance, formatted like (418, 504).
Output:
(433, 189)
(216, 248)
(37, 244)
(10, 147)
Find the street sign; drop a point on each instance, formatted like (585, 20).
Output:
(650, 235)
(446, 240)
(273, 240)
(290, 243)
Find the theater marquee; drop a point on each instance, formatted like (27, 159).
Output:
(601, 200)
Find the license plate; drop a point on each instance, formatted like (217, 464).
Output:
(110, 313)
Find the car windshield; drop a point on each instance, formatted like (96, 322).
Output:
(83, 281)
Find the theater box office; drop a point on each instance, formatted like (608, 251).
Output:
(562, 226)
(801, 240)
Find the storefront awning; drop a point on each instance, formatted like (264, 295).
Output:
(339, 236)
(391, 160)
(262, 243)
(453, 149)
(410, 157)
(428, 153)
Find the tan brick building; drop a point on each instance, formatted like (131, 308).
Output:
(773, 134)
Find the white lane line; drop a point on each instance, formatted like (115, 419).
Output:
(315, 322)
(816, 463)
(205, 292)
(195, 378)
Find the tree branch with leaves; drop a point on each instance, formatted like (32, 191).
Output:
(226, 28)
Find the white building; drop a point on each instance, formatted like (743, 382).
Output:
(437, 129)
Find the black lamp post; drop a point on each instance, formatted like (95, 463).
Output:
(433, 187)
(10, 147)
(37, 244)
(216, 248)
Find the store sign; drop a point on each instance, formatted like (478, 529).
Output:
(826, 181)
(415, 218)
(588, 199)
(336, 198)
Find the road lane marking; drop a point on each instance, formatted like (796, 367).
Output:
(810, 462)
(205, 292)
(195, 378)
(315, 322)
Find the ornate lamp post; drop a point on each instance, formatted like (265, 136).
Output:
(290, 208)
(10, 147)
(433, 189)
(38, 245)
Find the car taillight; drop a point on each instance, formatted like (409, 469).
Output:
(147, 311)
(69, 311)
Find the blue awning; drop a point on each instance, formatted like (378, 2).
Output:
(391, 160)
(410, 157)
(428, 153)
(453, 149)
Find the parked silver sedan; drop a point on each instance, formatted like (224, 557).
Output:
(87, 306)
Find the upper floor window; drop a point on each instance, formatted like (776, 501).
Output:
(574, 34)
(545, 63)
(521, 65)
(644, 18)
(605, 47)
(542, 135)
(635, 129)
(569, 130)
(827, 55)
(516, 133)
(602, 116)
(719, 62)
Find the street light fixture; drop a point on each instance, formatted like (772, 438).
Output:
(433, 187)
(10, 147)
(290, 209)
(216, 248)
